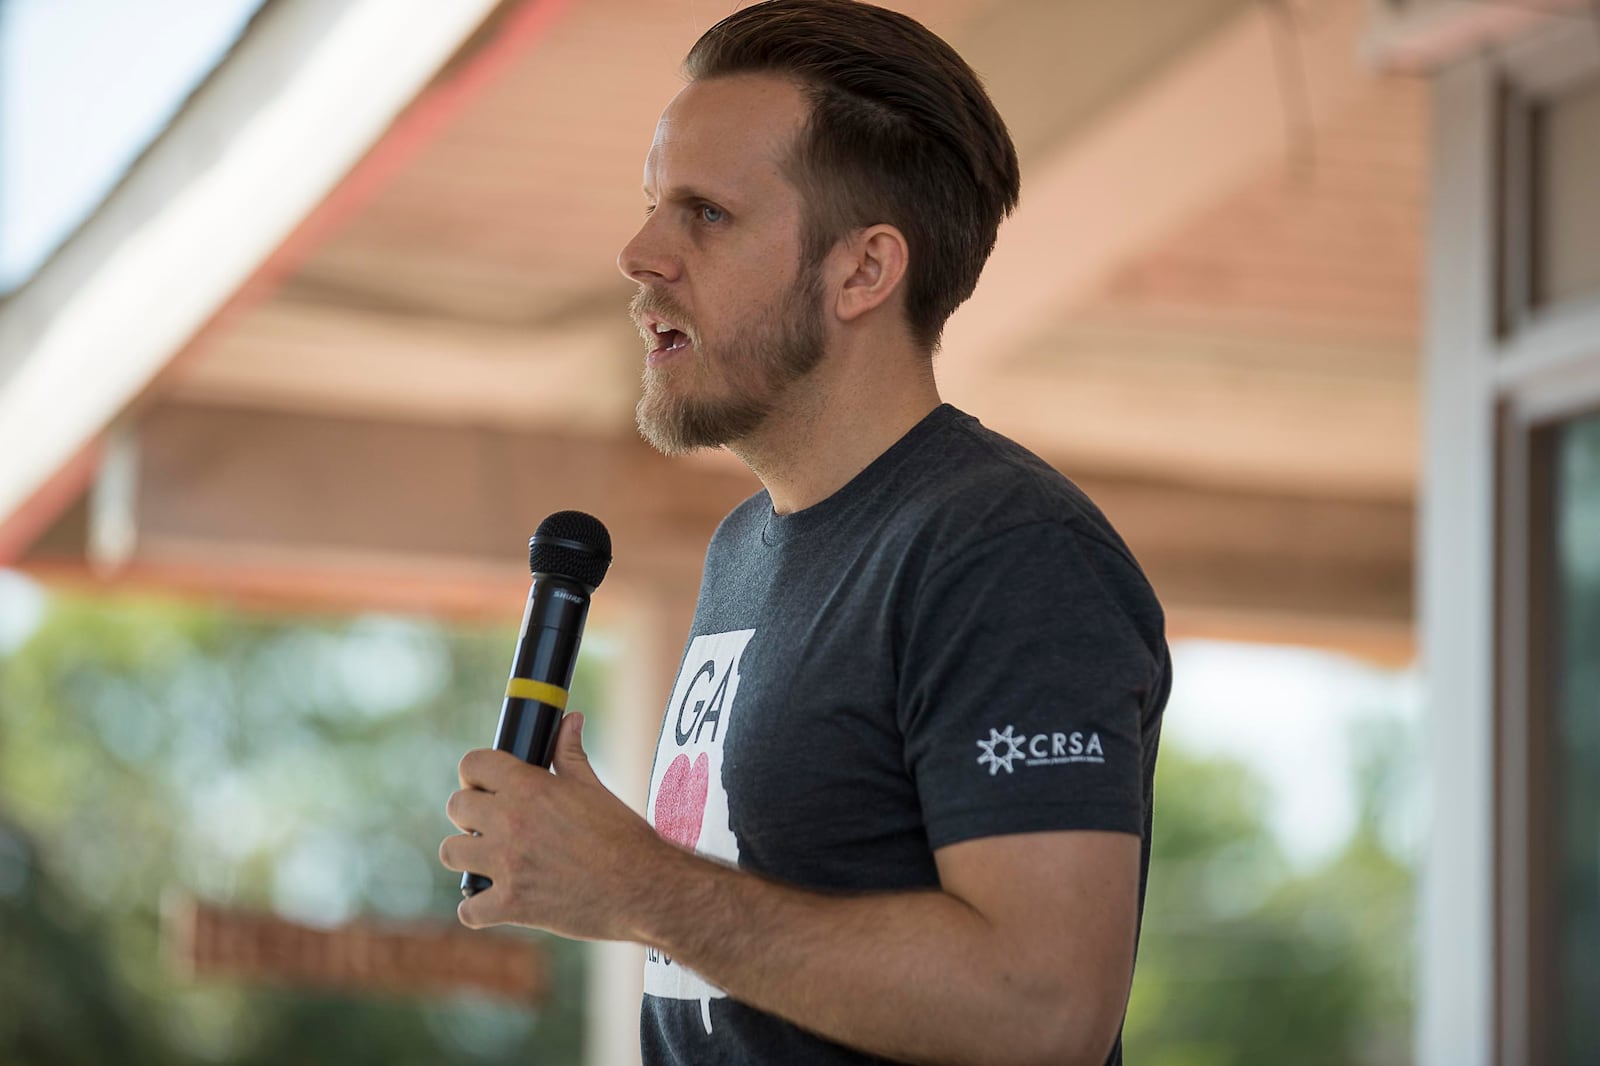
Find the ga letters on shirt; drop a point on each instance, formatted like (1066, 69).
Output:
(688, 804)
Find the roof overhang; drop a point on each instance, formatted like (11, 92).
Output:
(1423, 35)
(315, 82)
(1184, 316)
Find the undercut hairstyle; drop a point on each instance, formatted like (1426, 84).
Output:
(900, 131)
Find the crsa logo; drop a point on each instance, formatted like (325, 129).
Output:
(1003, 749)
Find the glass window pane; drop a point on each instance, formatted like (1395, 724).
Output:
(1567, 211)
(1577, 709)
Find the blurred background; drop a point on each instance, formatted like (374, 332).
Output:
(308, 314)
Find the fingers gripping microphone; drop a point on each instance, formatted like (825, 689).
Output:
(568, 555)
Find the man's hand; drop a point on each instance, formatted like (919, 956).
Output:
(564, 854)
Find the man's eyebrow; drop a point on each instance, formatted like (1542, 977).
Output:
(684, 194)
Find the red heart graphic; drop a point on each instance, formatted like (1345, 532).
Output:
(681, 799)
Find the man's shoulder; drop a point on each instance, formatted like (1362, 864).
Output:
(970, 484)
(943, 491)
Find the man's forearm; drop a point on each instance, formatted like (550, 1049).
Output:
(919, 976)
(1022, 956)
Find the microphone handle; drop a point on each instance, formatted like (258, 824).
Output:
(541, 674)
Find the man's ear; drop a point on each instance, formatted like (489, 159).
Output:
(874, 266)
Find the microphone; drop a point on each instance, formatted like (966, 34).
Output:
(568, 555)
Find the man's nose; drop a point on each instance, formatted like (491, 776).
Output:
(646, 259)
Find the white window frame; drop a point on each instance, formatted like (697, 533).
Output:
(1500, 372)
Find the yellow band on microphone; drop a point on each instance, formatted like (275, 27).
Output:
(525, 688)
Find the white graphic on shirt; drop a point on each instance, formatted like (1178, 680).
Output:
(688, 804)
(1001, 750)
(994, 758)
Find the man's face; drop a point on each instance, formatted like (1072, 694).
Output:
(730, 317)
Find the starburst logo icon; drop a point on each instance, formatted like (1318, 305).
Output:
(1000, 750)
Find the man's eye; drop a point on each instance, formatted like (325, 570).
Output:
(712, 213)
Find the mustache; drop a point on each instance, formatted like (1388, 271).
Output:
(657, 303)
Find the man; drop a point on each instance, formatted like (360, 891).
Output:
(901, 801)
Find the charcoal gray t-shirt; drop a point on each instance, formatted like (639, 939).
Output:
(954, 645)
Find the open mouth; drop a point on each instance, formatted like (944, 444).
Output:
(664, 340)
(669, 340)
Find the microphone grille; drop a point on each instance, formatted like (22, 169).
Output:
(571, 544)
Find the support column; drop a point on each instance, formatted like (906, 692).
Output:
(1456, 1002)
(647, 634)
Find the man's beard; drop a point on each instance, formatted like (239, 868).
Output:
(754, 367)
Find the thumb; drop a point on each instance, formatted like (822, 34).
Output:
(570, 759)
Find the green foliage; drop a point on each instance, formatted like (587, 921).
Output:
(1244, 961)
(303, 766)
(296, 765)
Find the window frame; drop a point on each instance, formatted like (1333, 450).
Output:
(1545, 371)
(1532, 74)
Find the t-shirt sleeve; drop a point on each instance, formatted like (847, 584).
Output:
(1029, 661)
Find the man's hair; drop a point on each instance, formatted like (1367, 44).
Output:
(900, 131)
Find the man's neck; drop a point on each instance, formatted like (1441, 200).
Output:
(831, 427)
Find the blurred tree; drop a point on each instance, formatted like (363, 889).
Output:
(63, 1002)
(295, 765)
(1244, 961)
(303, 766)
